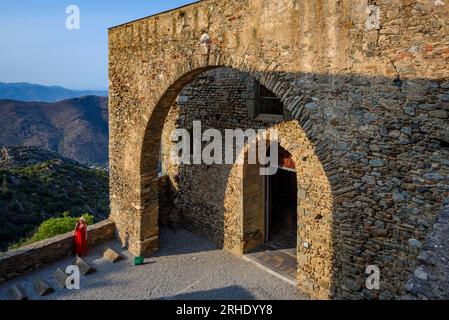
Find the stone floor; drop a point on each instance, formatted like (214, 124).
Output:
(186, 267)
(280, 262)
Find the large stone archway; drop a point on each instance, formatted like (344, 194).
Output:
(315, 197)
(369, 96)
(237, 222)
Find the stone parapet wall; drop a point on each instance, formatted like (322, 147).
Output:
(31, 257)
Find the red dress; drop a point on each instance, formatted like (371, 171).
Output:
(80, 239)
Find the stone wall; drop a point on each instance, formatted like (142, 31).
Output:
(368, 87)
(253, 211)
(31, 257)
(430, 281)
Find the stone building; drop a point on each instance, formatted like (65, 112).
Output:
(359, 94)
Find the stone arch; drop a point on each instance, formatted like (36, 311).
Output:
(314, 211)
(142, 237)
(149, 159)
(314, 197)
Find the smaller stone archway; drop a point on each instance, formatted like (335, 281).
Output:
(245, 223)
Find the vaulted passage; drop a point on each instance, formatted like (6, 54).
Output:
(225, 99)
(234, 205)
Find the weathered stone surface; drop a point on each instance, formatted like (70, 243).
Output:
(351, 285)
(41, 287)
(84, 267)
(430, 280)
(441, 114)
(17, 293)
(61, 277)
(112, 256)
(362, 86)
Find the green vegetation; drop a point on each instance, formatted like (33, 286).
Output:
(54, 227)
(32, 192)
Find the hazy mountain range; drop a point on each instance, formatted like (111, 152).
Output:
(23, 91)
(76, 128)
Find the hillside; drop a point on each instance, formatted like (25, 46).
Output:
(75, 128)
(36, 185)
(23, 91)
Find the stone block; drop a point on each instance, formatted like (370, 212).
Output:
(351, 284)
(84, 267)
(112, 256)
(61, 277)
(17, 293)
(41, 287)
(440, 114)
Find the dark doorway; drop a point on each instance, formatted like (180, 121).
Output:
(278, 253)
(281, 219)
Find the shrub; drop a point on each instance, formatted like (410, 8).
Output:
(54, 227)
(57, 226)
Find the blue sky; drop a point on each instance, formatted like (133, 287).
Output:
(36, 47)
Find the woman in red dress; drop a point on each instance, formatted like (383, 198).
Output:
(80, 237)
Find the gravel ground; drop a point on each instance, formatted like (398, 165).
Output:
(186, 267)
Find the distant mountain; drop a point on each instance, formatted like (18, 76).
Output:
(75, 128)
(36, 185)
(23, 91)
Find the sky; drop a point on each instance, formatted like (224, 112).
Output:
(36, 46)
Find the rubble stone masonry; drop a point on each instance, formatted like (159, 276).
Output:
(367, 84)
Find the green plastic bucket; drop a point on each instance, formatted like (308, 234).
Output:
(138, 261)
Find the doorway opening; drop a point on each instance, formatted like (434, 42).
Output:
(278, 252)
(281, 203)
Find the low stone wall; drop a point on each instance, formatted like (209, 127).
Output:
(17, 262)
